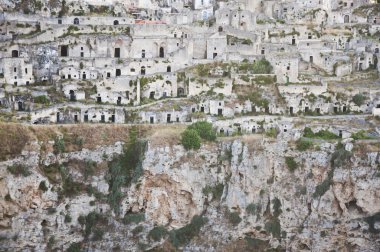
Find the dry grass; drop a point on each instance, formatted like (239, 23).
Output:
(165, 134)
(13, 138)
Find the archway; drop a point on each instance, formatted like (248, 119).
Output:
(76, 21)
(72, 95)
(162, 52)
(116, 22)
(14, 54)
(142, 70)
(168, 69)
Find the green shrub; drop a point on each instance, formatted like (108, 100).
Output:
(303, 144)
(70, 188)
(322, 188)
(361, 134)
(42, 99)
(322, 134)
(137, 230)
(97, 234)
(273, 226)
(134, 218)
(359, 99)
(272, 132)
(93, 222)
(18, 170)
(59, 145)
(182, 236)
(233, 218)
(276, 207)
(291, 163)
(68, 218)
(43, 187)
(216, 191)
(255, 244)
(190, 139)
(253, 208)
(157, 233)
(371, 220)
(125, 169)
(262, 67)
(340, 157)
(204, 130)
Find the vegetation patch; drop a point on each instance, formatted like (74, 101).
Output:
(359, 99)
(340, 157)
(190, 139)
(371, 220)
(291, 163)
(303, 144)
(94, 225)
(19, 169)
(216, 191)
(157, 233)
(273, 227)
(204, 130)
(361, 135)
(184, 235)
(233, 217)
(322, 134)
(126, 169)
(133, 218)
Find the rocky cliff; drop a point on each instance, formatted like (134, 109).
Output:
(138, 189)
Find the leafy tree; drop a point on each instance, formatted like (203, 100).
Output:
(359, 99)
(204, 130)
(262, 67)
(191, 139)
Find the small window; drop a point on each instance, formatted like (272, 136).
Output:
(14, 69)
(26, 70)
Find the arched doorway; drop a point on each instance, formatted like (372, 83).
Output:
(14, 54)
(76, 21)
(116, 22)
(20, 106)
(72, 95)
(162, 52)
(142, 70)
(168, 69)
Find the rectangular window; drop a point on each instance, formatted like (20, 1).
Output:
(117, 52)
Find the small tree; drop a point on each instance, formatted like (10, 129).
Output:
(359, 99)
(204, 130)
(190, 139)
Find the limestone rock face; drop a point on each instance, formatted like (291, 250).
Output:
(303, 210)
